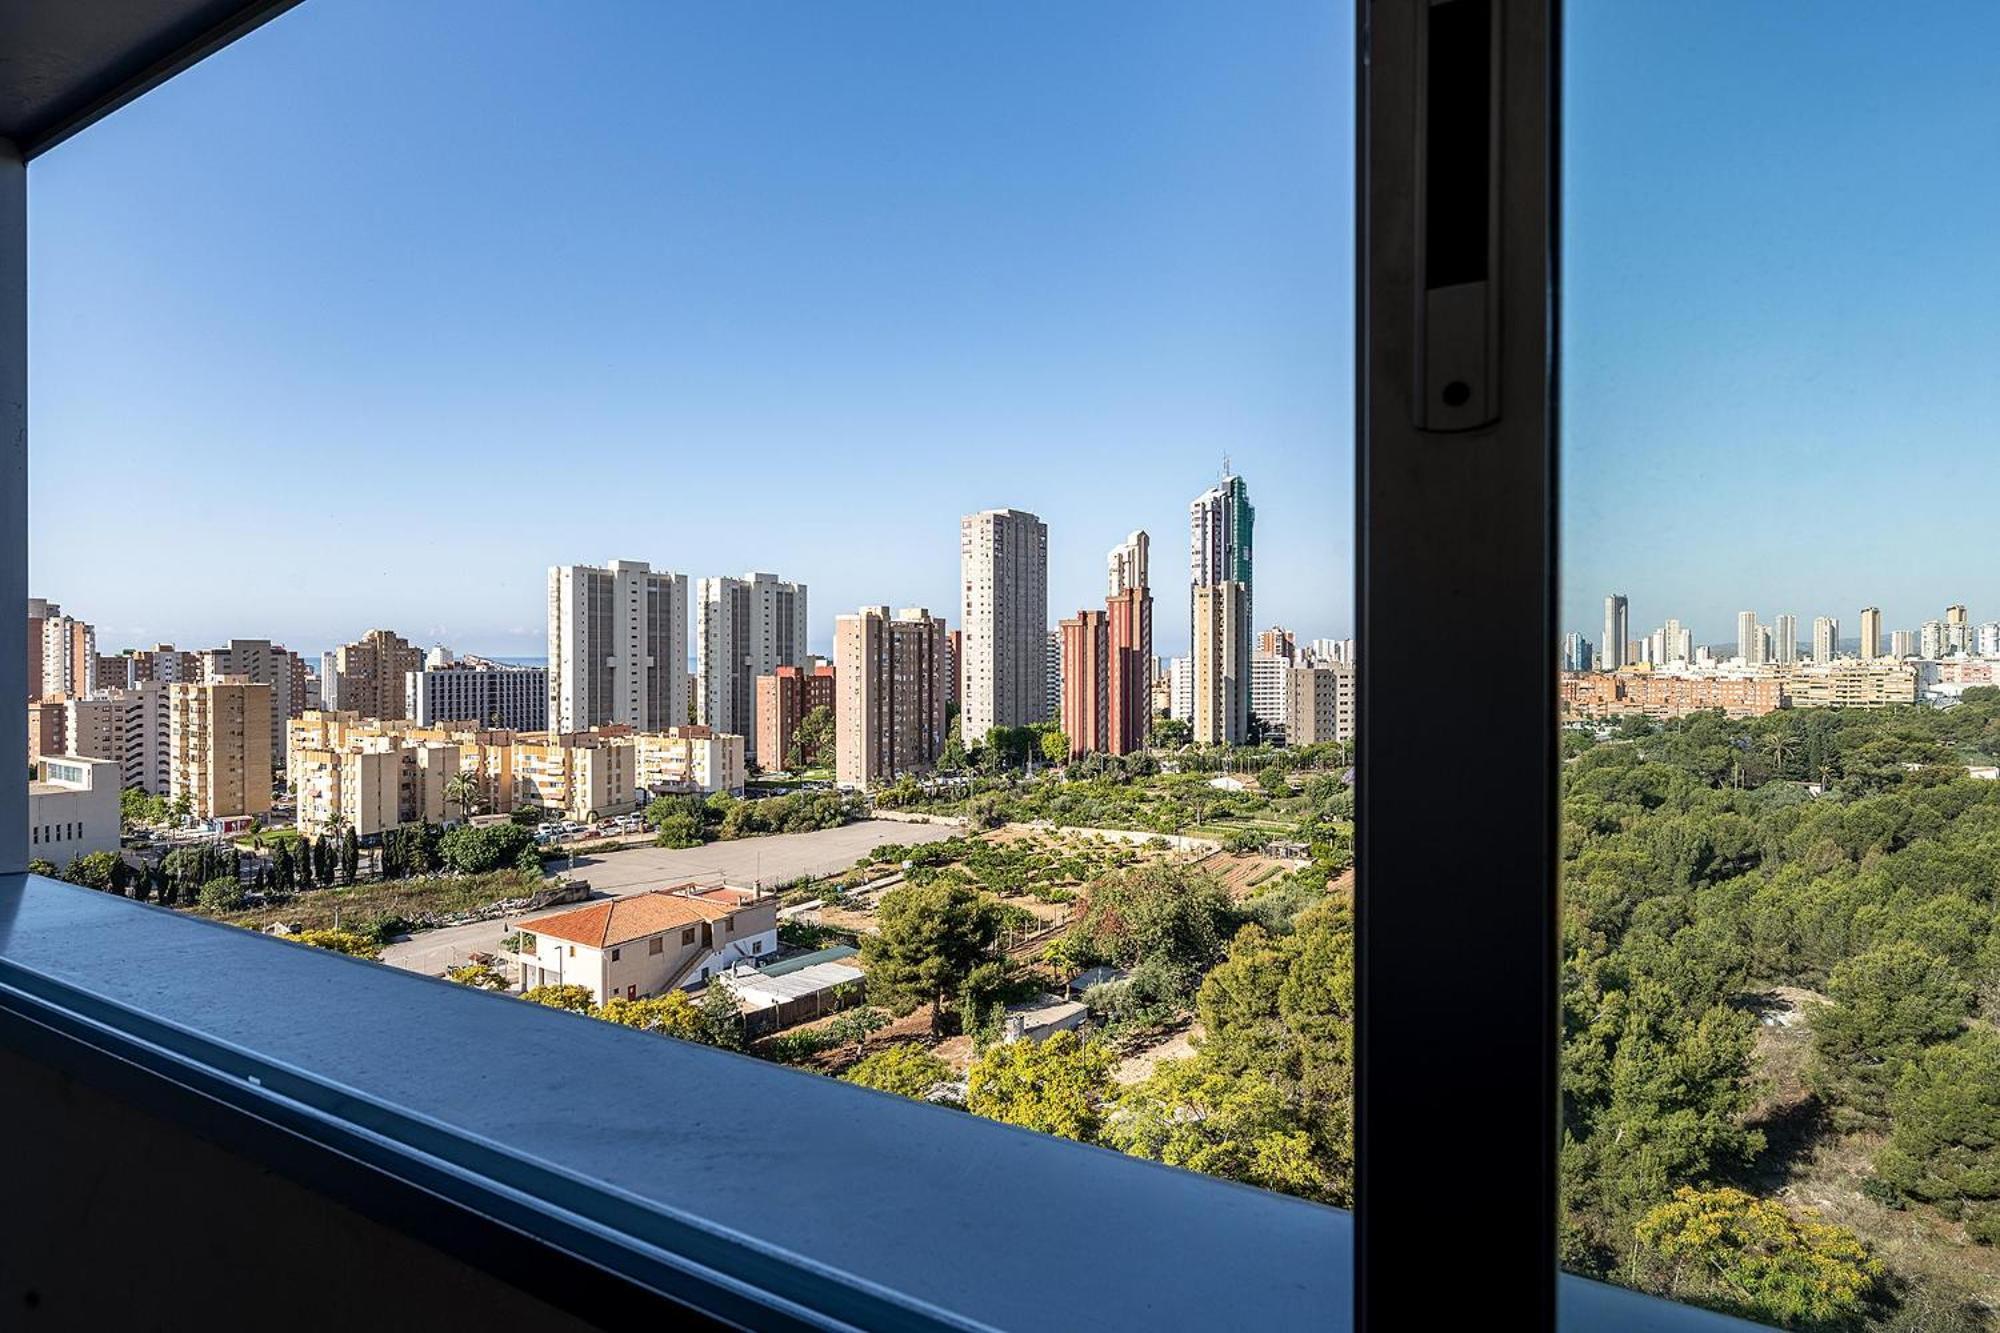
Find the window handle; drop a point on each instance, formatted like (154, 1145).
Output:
(1457, 216)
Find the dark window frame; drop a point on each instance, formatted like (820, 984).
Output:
(1457, 527)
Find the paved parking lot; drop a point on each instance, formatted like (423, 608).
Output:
(770, 861)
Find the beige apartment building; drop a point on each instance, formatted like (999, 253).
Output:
(374, 783)
(1003, 560)
(372, 674)
(1221, 663)
(889, 686)
(1871, 684)
(259, 661)
(221, 753)
(1321, 707)
(688, 759)
(583, 776)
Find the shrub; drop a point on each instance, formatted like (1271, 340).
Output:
(220, 895)
(906, 1069)
(352, 943)
(474, 850)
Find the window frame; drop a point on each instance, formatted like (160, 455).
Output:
(1457, 530)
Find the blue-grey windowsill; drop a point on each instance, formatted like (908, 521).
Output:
(772, 1178)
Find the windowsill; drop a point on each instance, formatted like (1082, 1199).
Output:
(652, 1157)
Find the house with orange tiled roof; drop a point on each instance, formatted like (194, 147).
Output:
(650, 943)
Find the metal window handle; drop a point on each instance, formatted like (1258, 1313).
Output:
(1457, 217)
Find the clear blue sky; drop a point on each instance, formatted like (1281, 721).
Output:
(373, 317)
(1781, 303)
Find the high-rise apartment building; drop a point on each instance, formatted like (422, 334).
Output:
(747, 628)
(39, 611)
(1271, 694)
(1575, 652)
(1321, 706)
(265, 663)
(1278, 641)
(1989, 639)
(165, 664)
(1958, 640)
(1326, 652)
(1902, 643)
(1785, 639)
(617, 647)
(889, 685)
(1826, 639)
(784, 698)
(1052, 678)
(1931, 640)
(68, 657)
(954, 668)
(478, 691)
(1871, 633)
(1221, 527)
(1221, 665)
(374, 674)
(221, 759)
(1086, 683)
(1128, 610)
(145, 749)
(1003, 561)
(1617, 625)
(329, 681)
(1749, 643)
(1180, 689)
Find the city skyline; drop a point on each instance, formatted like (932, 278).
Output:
(756, 302)
(1849, 620)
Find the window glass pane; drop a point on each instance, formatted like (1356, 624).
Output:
(853, 496)
(1781, 1080)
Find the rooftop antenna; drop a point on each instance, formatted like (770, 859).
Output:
(1225, 467)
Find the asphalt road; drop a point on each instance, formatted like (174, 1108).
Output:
(770, 860)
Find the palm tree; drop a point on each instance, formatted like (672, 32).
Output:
(462, 790)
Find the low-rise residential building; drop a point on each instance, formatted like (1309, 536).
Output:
(1653, 694)
(1853, 684)
(650, 943)
(687, 759)
(73, 809)
(585, 775)
(373, 784)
